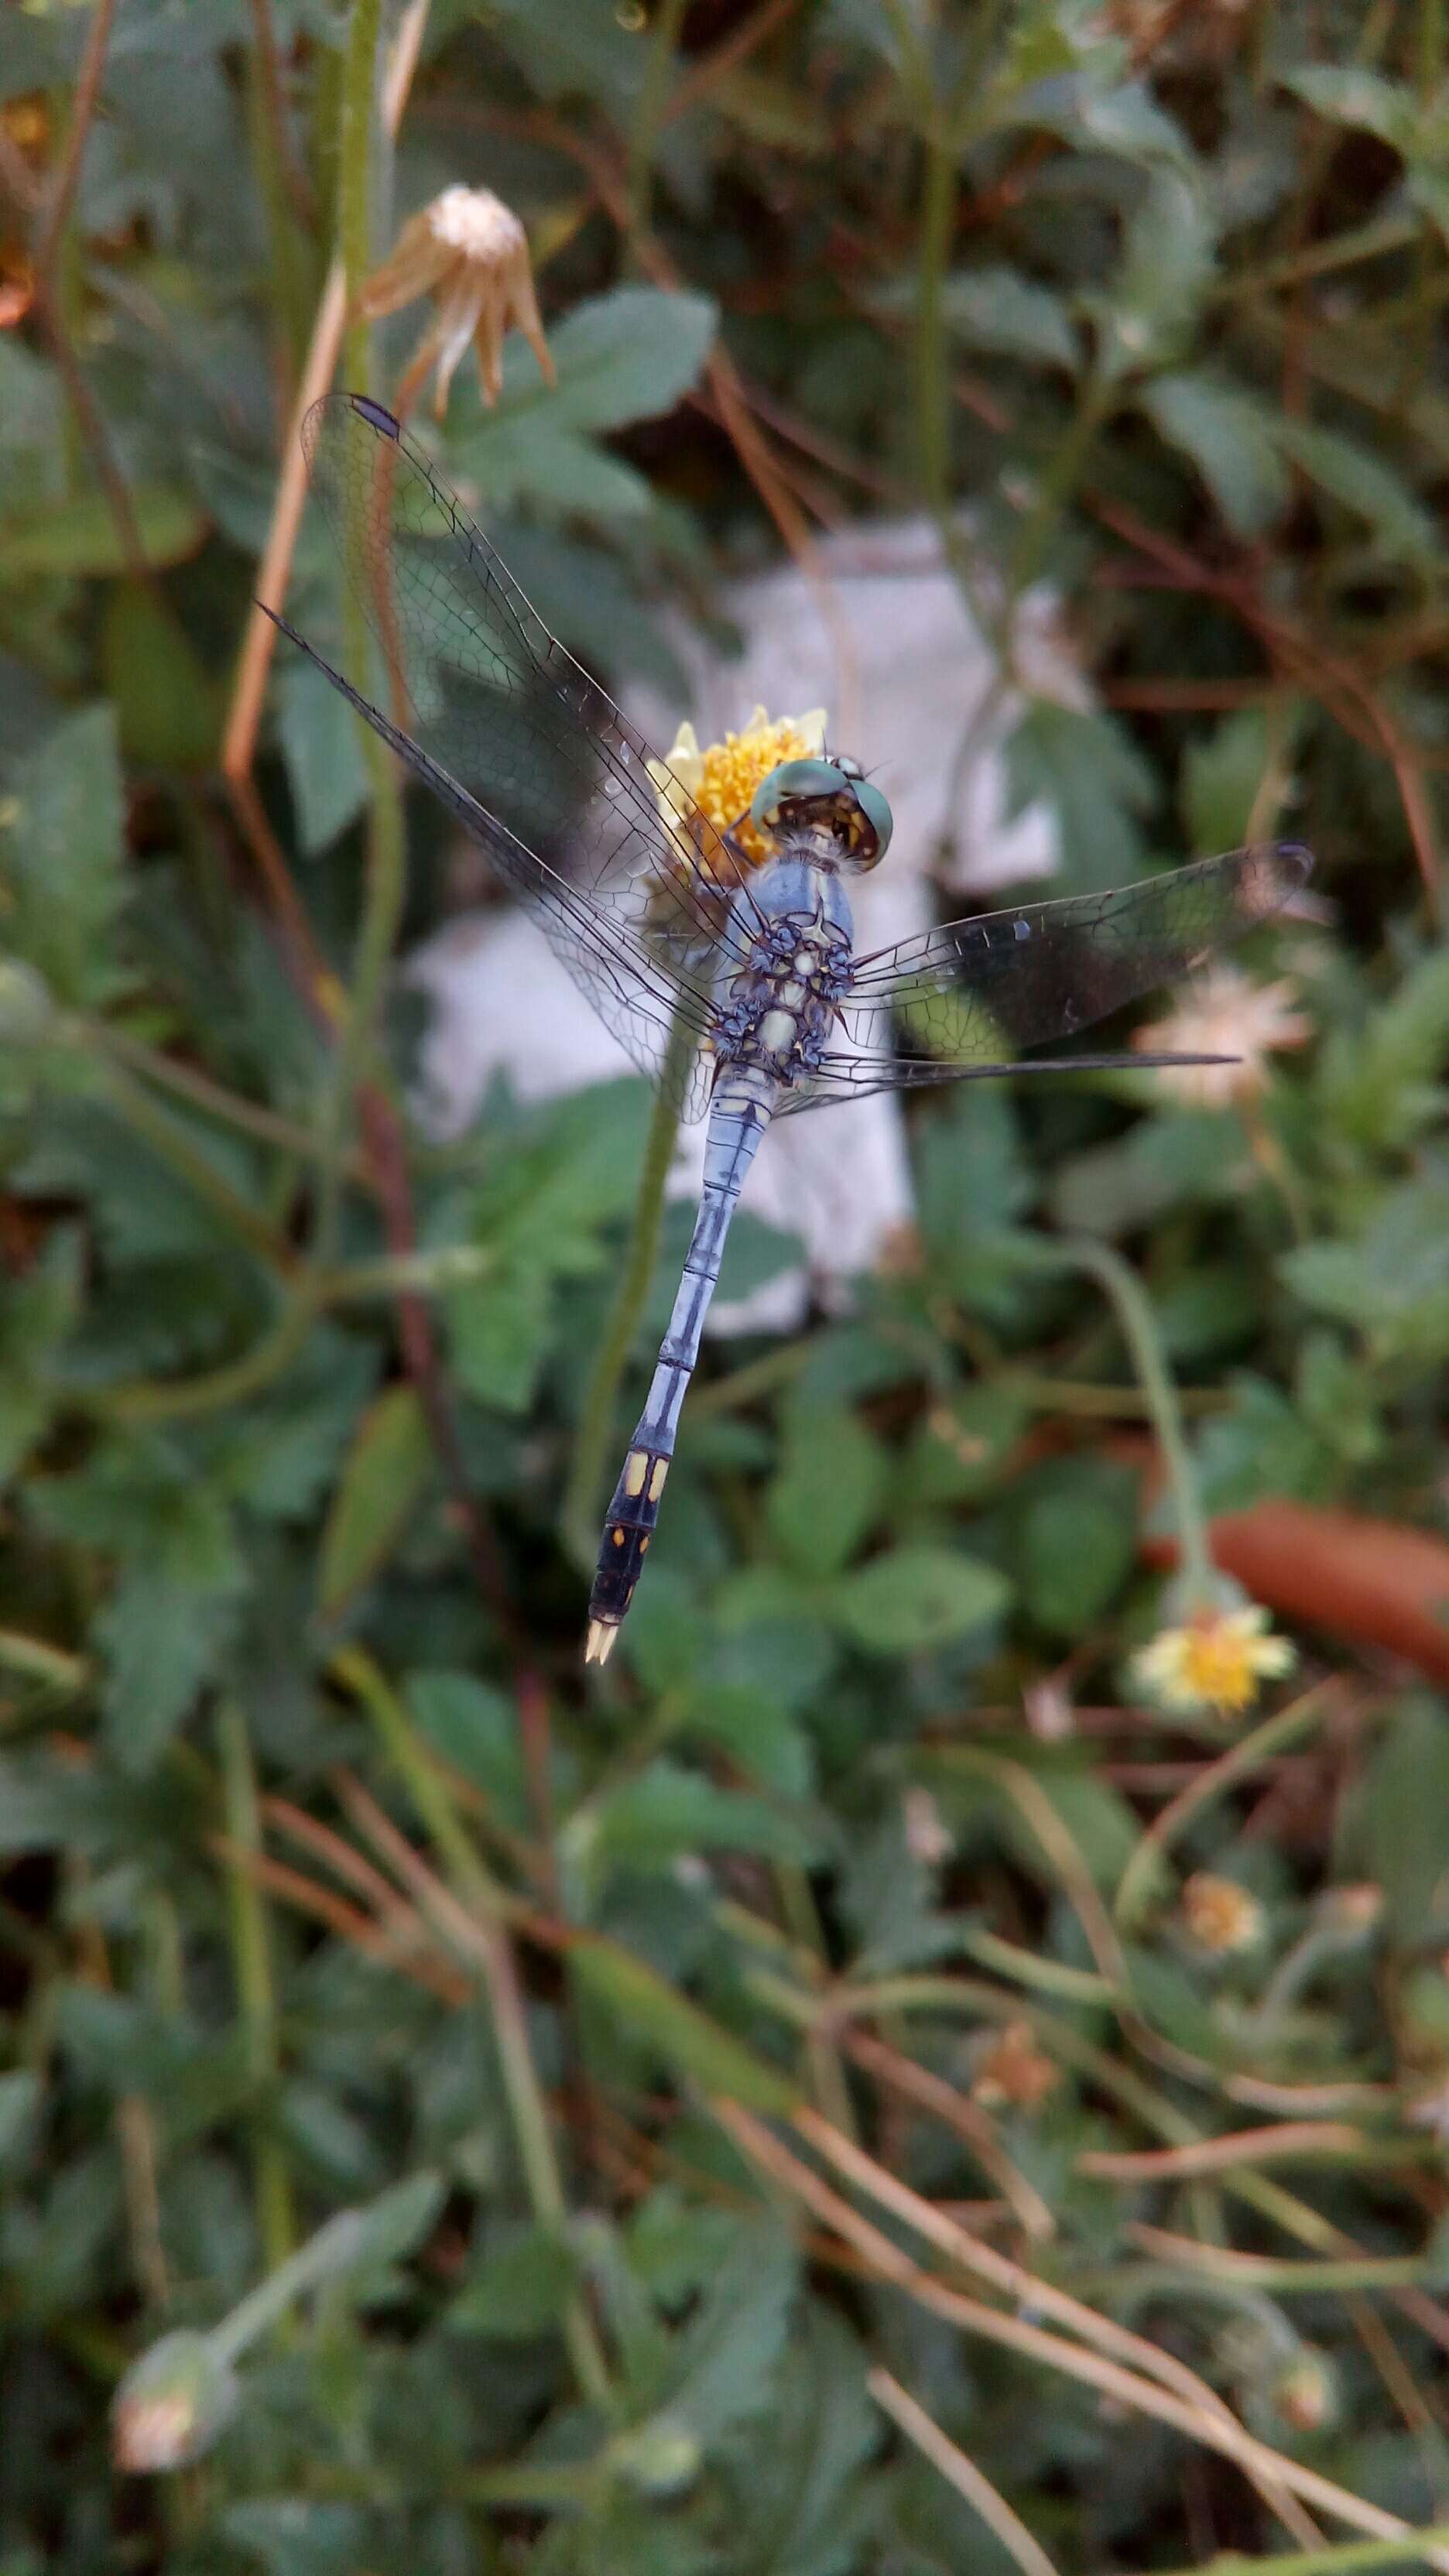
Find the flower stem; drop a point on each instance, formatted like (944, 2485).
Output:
(276, 2218)
(596, 1419)
(1139, 1331)
(386, 881)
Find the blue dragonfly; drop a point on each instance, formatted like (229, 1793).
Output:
(730, 977)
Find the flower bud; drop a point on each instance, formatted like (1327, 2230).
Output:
(172, 2404)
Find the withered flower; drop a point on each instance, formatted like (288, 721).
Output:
(470, 253)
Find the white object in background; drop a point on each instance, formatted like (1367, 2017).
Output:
(837, 1177)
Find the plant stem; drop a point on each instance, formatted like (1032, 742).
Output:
(1342, 2558)
(664, 26)
(479, 1890)
(386, 883)
(169, 1141)
(252, 1963)
(1139, 1331)
(581, 1501)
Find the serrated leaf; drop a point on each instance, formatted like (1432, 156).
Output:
(381, 1482)
(61, 856)
(162, 1640)
(625, 356)
(915, 1598)
(1228, 435)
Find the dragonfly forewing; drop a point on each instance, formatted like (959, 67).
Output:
(473, 691)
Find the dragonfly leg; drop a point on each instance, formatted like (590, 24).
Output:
(738, 1120)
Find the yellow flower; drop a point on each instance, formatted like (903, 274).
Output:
(1227, 1014)
(1220, 1915)
(1217, 1660)
(470, 253)
(719, 781)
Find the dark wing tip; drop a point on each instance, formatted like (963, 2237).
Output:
(376, 414)
(1272, 872)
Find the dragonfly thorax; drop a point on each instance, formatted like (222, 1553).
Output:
(792, 922)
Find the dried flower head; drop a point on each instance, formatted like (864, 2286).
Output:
(470, 253)
(1226, 1013)
(1217, 1661)
(1220, 1915)
(719, 781)
(1012, 2069)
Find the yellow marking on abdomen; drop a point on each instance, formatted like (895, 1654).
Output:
(636, 1468)
(656, 1481)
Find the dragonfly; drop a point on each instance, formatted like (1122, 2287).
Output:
(722, 959)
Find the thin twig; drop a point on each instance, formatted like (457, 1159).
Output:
(83, 108)
(959, 2472)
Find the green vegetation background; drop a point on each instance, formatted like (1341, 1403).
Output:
(329, 1887)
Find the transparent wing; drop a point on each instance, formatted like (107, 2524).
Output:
(854, 1077)
(963, 998)
(527, 749)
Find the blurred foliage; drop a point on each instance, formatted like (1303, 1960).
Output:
(328, 1886)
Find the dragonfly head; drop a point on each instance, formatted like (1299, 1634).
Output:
(828, 801)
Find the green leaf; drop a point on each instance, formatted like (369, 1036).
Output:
(622, 357)
(916, 1598)
(1221, 778)
(1393, 1284)
(1395, 1824)
(1350, 94)
(382, 1479)
(168, 706)
(394, 2225)
(325, 767)
(475, 1728)
(1359, 478)
(1429, 190)
(61, 853)
(828, 1489)
(998, 308)
(162, 1640)
(1077, 1543)
(665, 1810)
(82, 537)
(653, 2011)
(727, 2357)
(1229, 436)
(498, 1333)
(520, 2288)
(1086, 768)
(1148, 312)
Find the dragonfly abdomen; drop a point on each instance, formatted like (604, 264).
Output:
(743, 1103)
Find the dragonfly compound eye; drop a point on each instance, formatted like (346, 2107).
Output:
(824, 792)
